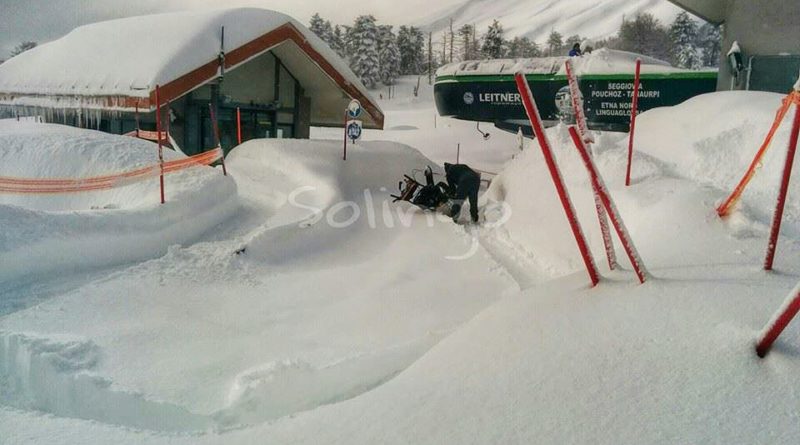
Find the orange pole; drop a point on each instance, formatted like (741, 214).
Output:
(725, 208)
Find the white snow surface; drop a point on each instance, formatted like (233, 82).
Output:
(130, 56)
(370, 334)
(52, 234)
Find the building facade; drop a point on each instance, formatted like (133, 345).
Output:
(768, 34)
(260, 73)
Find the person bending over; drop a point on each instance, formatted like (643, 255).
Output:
(462, 183)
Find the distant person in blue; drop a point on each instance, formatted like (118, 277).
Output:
(576, 50)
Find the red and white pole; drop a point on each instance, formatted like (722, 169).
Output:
(634, 111)
(536, 121)
(778, 323)
(160, 144)
(239, 125)
(583, 129)
(787, 174)
(619, 225)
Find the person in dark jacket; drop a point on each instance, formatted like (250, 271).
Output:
(463, 183)
(576, 50)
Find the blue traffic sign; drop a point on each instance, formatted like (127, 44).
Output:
(354, 129)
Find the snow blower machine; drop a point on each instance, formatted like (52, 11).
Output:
(430, 196)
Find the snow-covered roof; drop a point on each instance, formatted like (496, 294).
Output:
(710, 10)
(117, 64)
(601, 61)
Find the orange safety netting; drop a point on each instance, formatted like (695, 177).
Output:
(63, 185)
(149, 135)
(792, 99)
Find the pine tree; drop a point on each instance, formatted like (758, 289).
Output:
(337, 42)
(555, 43)
(709, 41)
(316, 25)
(364, 59)
(466, 42)
(523, 47)
(683, 34)
(494, 44)
(411, 44)
(644, 35)
(388, 54)
(322, 28)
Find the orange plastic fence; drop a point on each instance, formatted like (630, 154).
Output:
(725, 208)
(149, 135)
(14, 185)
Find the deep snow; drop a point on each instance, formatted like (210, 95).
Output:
(318, 334)
(47, 235)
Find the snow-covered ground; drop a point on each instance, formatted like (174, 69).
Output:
(299, 319)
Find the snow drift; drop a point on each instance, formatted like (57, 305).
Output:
(45, 234)
(671, 143)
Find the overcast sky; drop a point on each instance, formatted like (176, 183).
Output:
(43, 20)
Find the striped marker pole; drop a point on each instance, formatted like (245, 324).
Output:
(536, 121)
(600, 186)
(583, 130)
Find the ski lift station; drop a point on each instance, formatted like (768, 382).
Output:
(273, 72)
(767, 33)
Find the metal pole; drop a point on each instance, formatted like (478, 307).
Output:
(344, 156)
(216, 136)
(136, 116)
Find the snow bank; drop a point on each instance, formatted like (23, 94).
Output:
(712, 139)
(709, 140)
(291, 309)
(44, 234)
